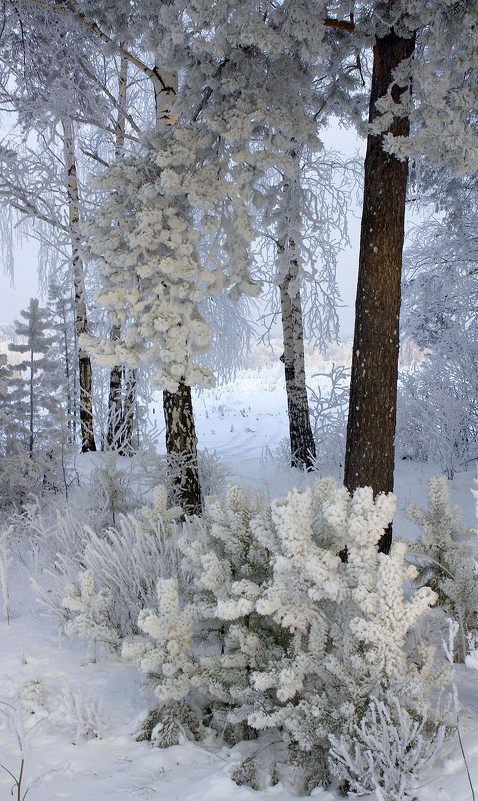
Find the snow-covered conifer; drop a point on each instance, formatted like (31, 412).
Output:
(444, 561)
(283, 635)
(34, 389)
(90, 612)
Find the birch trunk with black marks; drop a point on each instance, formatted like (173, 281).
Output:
(129, 408)
(115, 405)
(181, 447)
(181, 438)
(370, 453)
(302, 445)
(115, 433)
(84, 362)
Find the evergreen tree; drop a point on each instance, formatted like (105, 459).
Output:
(33, 397)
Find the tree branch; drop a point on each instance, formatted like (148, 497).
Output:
(340, 24)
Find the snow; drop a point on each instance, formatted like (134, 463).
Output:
(40, 670)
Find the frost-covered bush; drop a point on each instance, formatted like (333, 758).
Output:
(123, 563)
(386, 752)
(84, 712)
(275, 632)
(121, 486)
(212, 607)
(24, 476)
(444, 562)
(436, 415)
(329, 404)
(90, 619)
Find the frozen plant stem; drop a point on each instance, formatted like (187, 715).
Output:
(452, 631)
(17, 782)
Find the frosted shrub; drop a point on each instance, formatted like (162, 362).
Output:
(84, 712)
(123, 562)
(386, 752)
(120, 485)
(276, 633)
(444, 562)
(329, 403)
(90, 619)
(436, 415)
(22, 476)
(213, 607)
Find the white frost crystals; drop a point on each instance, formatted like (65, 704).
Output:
(277, 633)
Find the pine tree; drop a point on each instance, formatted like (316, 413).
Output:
(34, 389)
(370, 454)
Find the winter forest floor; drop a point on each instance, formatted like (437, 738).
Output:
(45, 677)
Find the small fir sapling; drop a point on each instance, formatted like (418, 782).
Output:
(115, 483)
(348, 638)
(444, 562)
(90, 620)
(217, 596)
(276, 632)
(167, 654)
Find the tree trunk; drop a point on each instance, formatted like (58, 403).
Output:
(369, 459)
(129, 407)
(31, 404)
(84, 362)
(302, 445)
(181, 446)
(181, 438)
(115, 409)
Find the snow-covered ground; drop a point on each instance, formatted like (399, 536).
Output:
(45, 677)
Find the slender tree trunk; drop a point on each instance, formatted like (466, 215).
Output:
(181, 446)
(302, 445)
(181, 438)
(66, 351)
(32, 403)
(84, 362)
(129, 408)
(115, 411)
(369, 459)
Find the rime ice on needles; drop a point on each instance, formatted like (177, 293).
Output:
(167, 652)
(280, 634)
(443, 560)
(90, 620)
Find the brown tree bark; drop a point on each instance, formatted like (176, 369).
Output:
(181, 446)
(370, 453)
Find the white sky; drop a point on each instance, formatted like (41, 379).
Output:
(14, 298)
(25, 283)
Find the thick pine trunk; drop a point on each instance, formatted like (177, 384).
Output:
(84, 362)
(369, 459)
(181, 446)
(302, 445)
